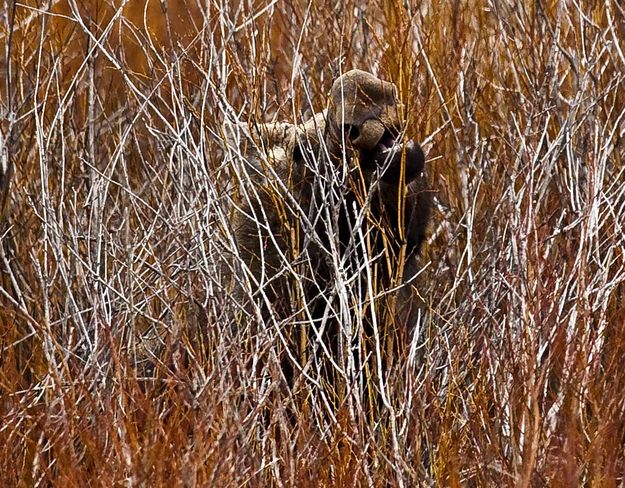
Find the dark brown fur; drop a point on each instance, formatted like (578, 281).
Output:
(318, 200)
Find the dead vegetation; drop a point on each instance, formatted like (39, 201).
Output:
(112, 120)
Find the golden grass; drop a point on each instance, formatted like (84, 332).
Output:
(112, 117)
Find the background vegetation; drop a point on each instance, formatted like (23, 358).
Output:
(111, 115)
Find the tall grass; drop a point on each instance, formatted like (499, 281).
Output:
(116, 223)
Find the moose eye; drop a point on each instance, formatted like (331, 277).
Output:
(351, 132)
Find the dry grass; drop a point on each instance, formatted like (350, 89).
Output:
(112, 117)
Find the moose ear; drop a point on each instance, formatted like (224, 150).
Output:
(255, 139)
(308, 137)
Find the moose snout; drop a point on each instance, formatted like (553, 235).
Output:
(365, 136)
(379, 147)
(400, 161)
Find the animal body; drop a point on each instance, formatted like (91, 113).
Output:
(329, 218)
